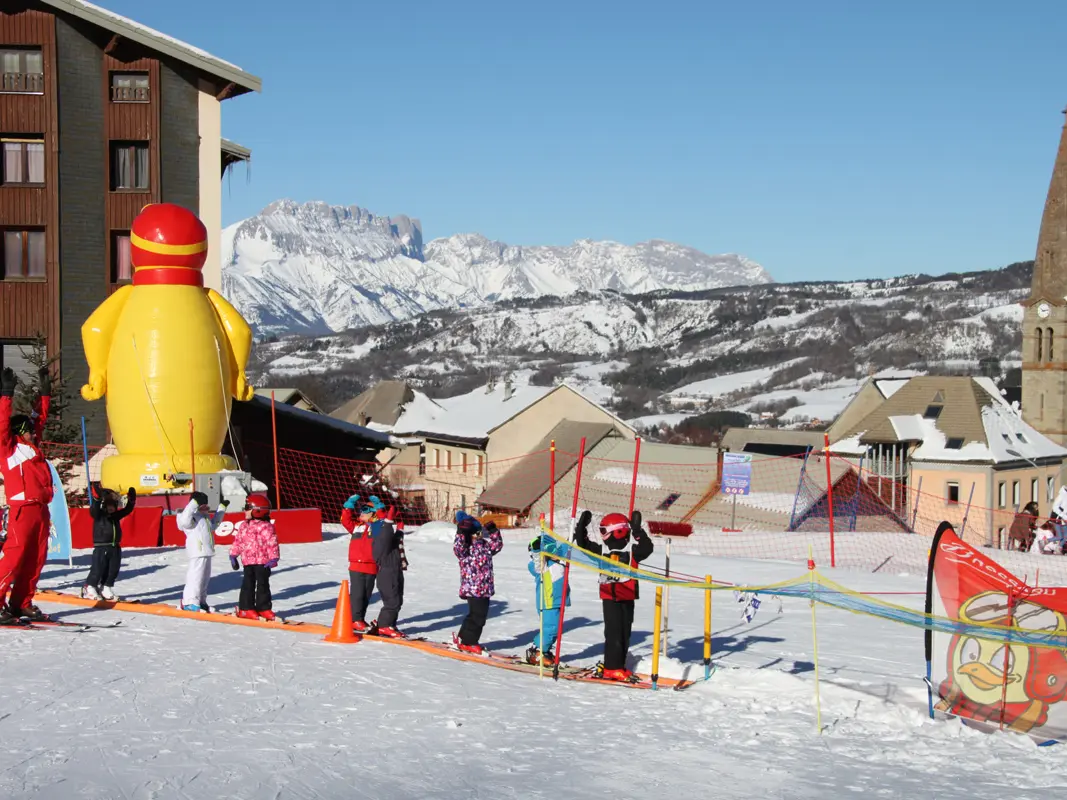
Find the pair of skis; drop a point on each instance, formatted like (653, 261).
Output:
(57, 625)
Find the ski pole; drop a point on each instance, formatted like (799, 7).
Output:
(567, 566)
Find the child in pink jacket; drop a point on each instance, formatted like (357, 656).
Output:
(256, 544)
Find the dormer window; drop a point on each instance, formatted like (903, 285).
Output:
(933, 411)
(954, 443)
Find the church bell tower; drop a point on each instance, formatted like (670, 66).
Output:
(1044, 390)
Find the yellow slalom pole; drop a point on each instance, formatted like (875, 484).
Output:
(815, 640)
(656, 630)
(707, 629)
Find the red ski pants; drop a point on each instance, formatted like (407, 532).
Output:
(24, 553)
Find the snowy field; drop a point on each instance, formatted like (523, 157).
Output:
(172, 708)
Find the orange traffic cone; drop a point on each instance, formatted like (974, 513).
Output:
(341, 630)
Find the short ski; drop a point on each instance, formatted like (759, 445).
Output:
(65, 627)
(276, 621)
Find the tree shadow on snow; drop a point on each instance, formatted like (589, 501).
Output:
(452, 618)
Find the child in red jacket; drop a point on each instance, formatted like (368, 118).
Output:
(356, 518)
(255, 543)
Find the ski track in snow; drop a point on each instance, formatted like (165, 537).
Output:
(171, 708)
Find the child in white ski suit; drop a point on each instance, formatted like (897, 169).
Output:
(199, 530)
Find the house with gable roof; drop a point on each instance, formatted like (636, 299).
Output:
(950, 448)
(457, 448)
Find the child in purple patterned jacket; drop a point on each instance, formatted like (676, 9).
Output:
(475, 547)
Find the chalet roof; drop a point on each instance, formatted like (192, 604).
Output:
(232, 153)
(528, 479)
(951, 419)
(286, 395)
(383, 403)
(161, 43)
(737, 438)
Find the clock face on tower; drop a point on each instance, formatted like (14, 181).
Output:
(1043, 310)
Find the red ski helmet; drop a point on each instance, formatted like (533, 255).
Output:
(616, 525)
(259, 505)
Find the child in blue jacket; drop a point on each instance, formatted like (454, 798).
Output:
(547, 573)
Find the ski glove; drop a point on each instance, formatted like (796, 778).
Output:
(635, 524)
(131, 495)
(490, 527)
(352, 502)
(224, 504)
(234, 565)
(8, 382)
(45, 382)
(583, 521)
(271, 564)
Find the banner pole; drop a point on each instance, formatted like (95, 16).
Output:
(552, 487)
(192, 453)
(707, 629)
(567, 566)
(541, 613)
(666, 596)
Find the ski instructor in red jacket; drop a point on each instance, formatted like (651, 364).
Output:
(28, 486)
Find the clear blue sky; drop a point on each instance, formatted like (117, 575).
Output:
(827, 139)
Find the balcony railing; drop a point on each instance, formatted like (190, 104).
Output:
(129, 94)
(23, 82)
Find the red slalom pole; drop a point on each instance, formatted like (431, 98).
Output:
(830, 498)
(633, 488)
(274, 435)
(567, 566)
(552, 486)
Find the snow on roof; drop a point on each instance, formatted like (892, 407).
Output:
(470, 415)
(1006, 431)
(908, 428)
(144, 34)
(889, 386)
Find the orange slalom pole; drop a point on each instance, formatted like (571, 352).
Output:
(633, 487)
(277, 474)
(567, 567)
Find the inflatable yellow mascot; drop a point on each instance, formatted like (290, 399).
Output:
(165, 351)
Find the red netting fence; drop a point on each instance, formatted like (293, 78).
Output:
(835, 508)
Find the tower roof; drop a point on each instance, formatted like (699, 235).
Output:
(1050, 263)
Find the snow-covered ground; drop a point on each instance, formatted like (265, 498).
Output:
(174, 708)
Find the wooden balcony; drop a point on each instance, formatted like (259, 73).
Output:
(130, 94)
(22, 83)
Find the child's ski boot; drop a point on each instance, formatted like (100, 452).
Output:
(247, 613)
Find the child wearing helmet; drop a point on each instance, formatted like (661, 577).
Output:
(107, 514)
(547, 571)
(255, 545)
(625, 541)
(356, 517)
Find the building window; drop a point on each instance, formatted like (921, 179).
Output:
(1035, 491)
(933, 411)
(437, 457)
(129, 87)
(12, 355)
(121, 263)
(24, 254)
(481, 464)
(952, 493)
(463, 456)
(1039, 338)
(1051, 357)
(1002, 494)
(23, 162)
(954, 443)
(129, 166)
(1041, 408)
(1051, 488)
(1015, 494)
(448, 459)
(23, 70)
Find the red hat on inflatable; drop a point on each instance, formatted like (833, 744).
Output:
(168, 245)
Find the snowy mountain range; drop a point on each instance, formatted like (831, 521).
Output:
(316, 269)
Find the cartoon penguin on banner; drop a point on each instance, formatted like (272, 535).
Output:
(165, 351)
